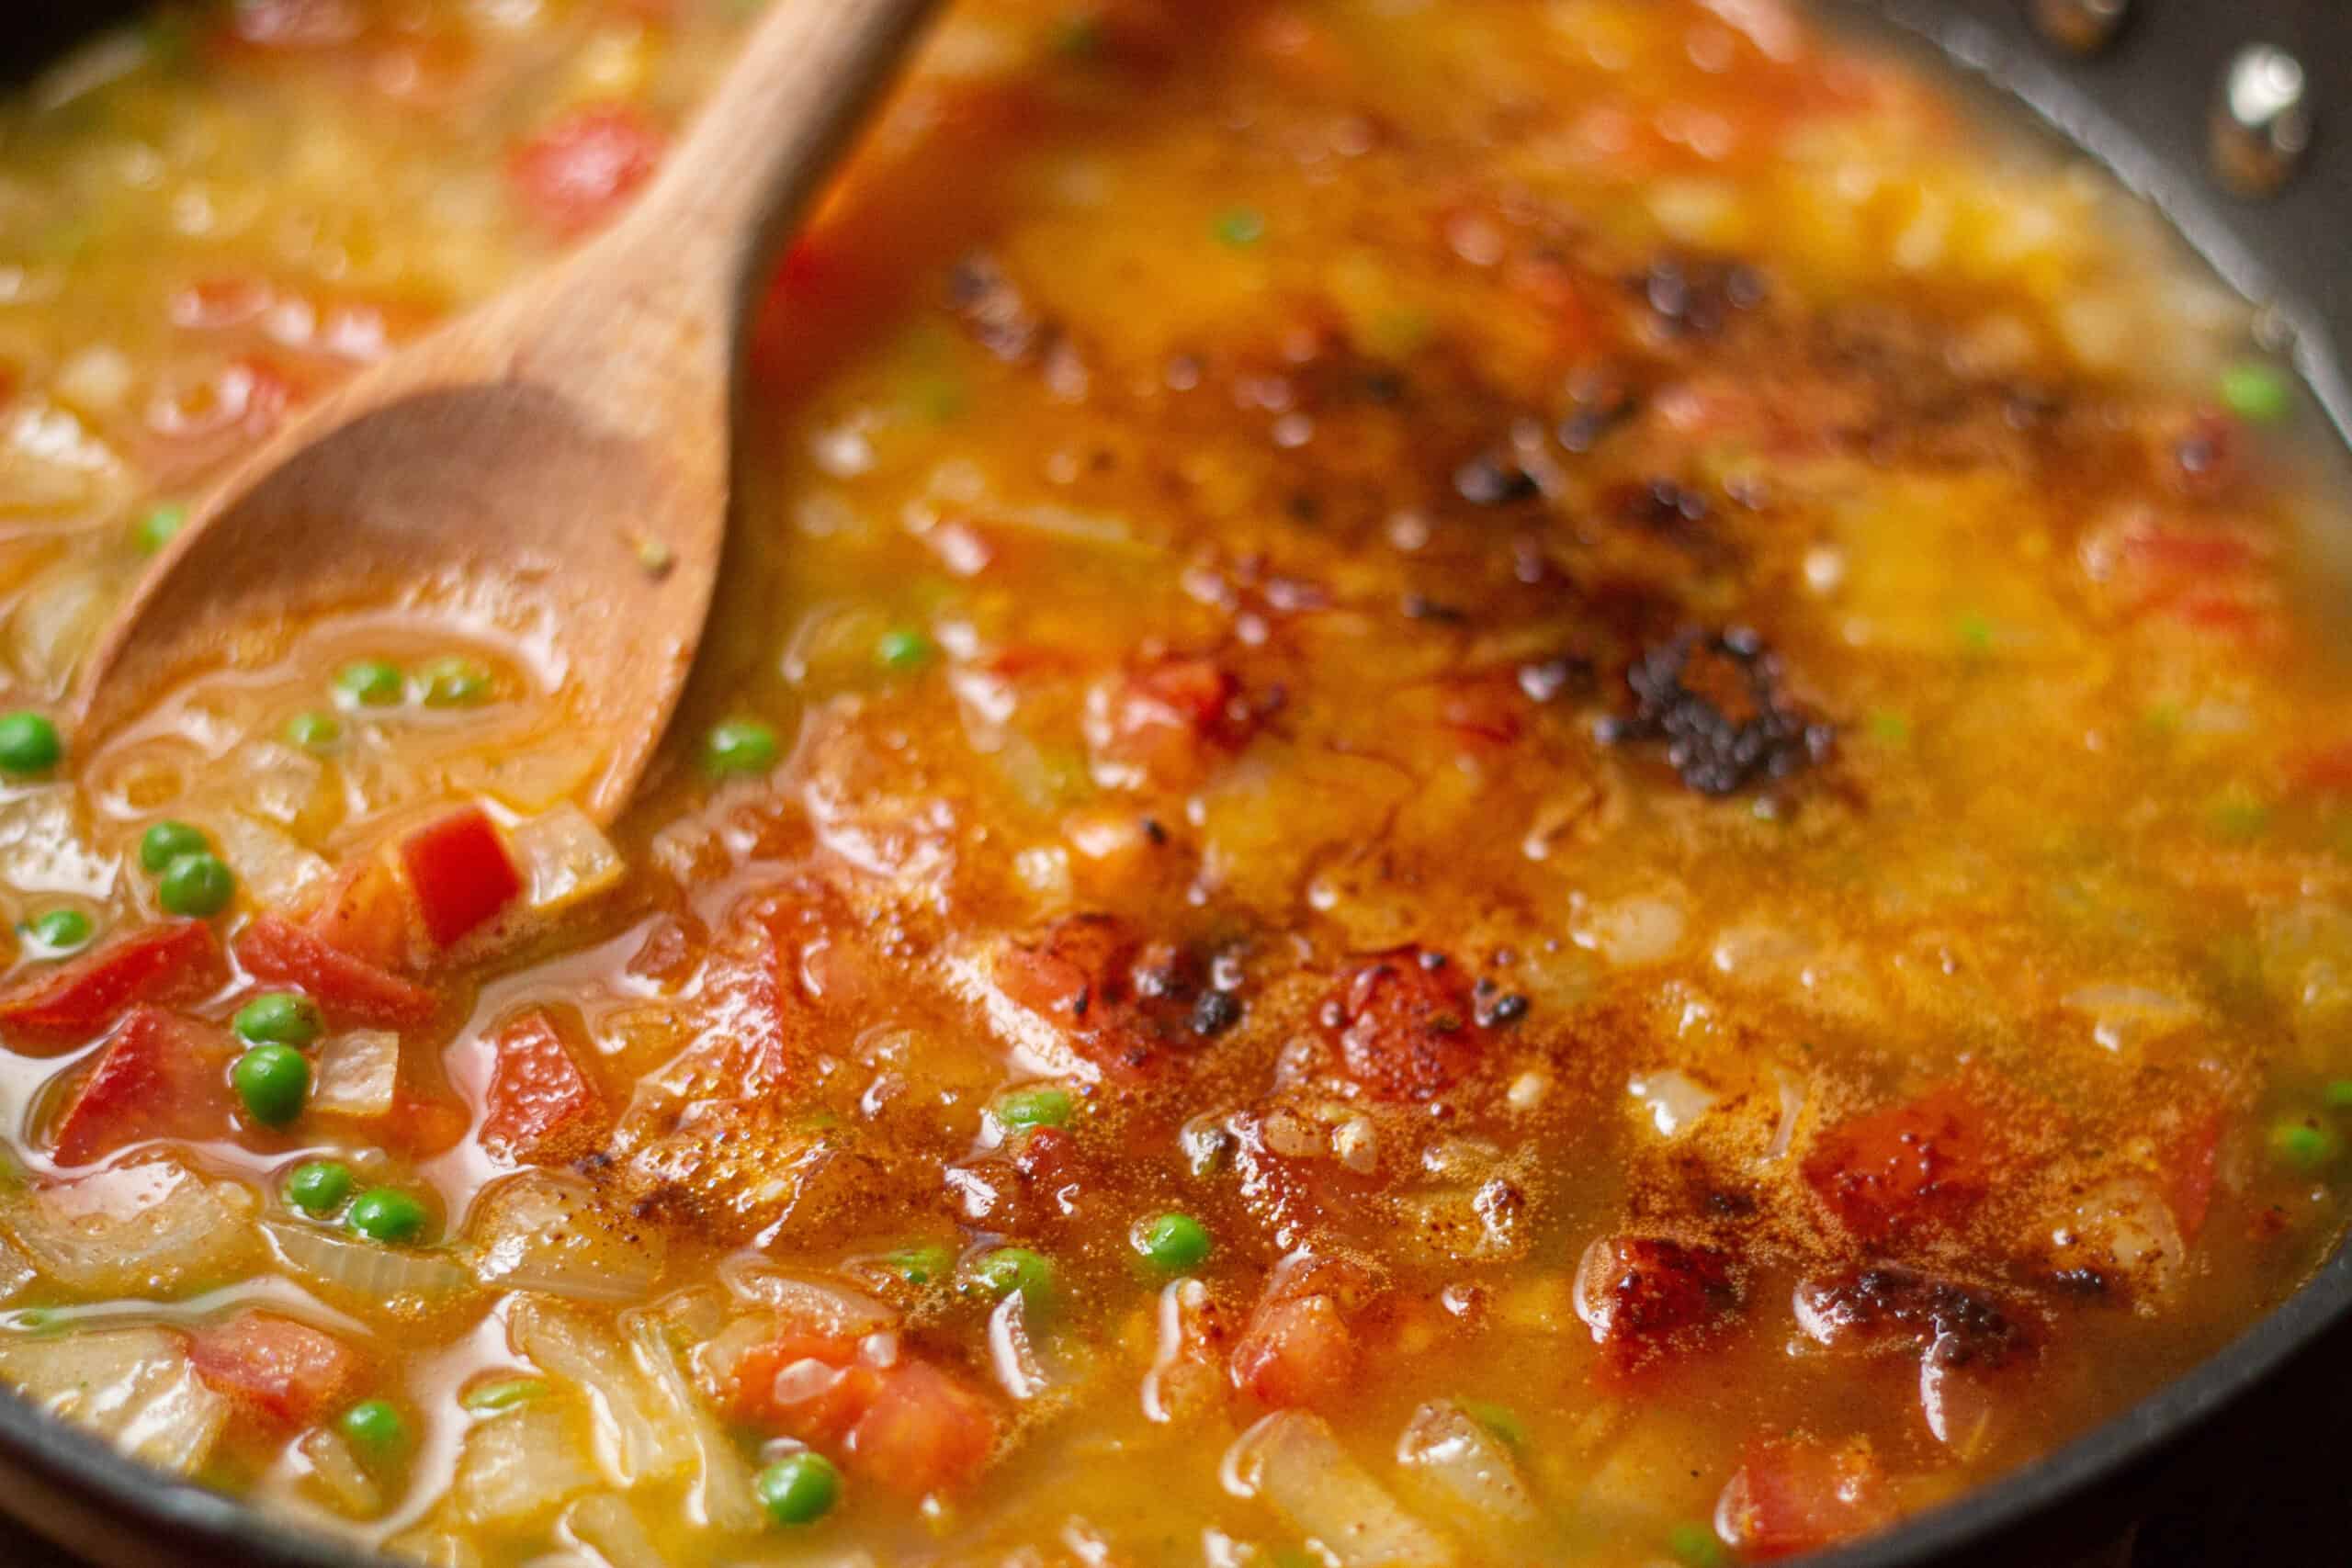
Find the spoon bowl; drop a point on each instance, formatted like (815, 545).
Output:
(555, 464)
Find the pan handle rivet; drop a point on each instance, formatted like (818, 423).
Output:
(2080, 27)
(2262, 121)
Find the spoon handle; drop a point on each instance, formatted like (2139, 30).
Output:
(728, 191)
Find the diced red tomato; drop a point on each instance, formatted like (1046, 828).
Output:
(276, 951)
(1552, 287)
(1637, 1292)
(285, 1373)
(907, 1424)
(1915, 1168)
(2191, 1160)
(1296, 1348)
(540, 1106)
(421, 1126)
(1405, 1026)
(803, 1386)
(761, 1022)
(924, 1432)
(1796, 1496)
(577, 172)
(1118, 1002)
(367, 915)
(178, 961)
(1295, 1352)
(1169, 717)
(461, 873)
(159, 1076)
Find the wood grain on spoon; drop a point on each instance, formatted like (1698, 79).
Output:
(557, 462)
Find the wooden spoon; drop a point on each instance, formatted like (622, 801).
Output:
(555, 464)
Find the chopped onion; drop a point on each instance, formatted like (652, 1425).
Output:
(529, 776)
(133, 1386)
(640, 1436)
(1009, 1348)
(44, 848)
(722, 1495)
(358, 1073)
(2125, 1017)
(1187, 1375)
(96, 381)
(1633, 932)
(1795, 1094)
(539, 1232)
(606, 1526)
(1675, 1100)
(378, 1274)
(54, 465)
(564, 858)
(1465, 1462)
(137, 1230)
(1957, 1399)
(432, 1548)
(276, 782)
(807, 1301)
(520, 1466)
(1292, 1460)
(339, 1474)
(280, 872)
(2124, 1226)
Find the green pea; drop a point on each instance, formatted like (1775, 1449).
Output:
(503, 1395)
(274, 1081)
(456, 682)
(28, 744)
(1241, 227)
(388, 1216)
(158, 525)
(918, 1265)
(1175, 1243)
(902, 650)
(2256, 393)
(314, 731)
(798, 1489)
(198, 885)
(1696, 1545)
(739, 746)
(167, 841)
(1005, 1269)
(2305, 1143)
(1026, 1108)
(318, 1186)
(371, 683)
(55, 932)
(374, 1427)
(280, 1018)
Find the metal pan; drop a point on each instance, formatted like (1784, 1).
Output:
(2259, 187)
